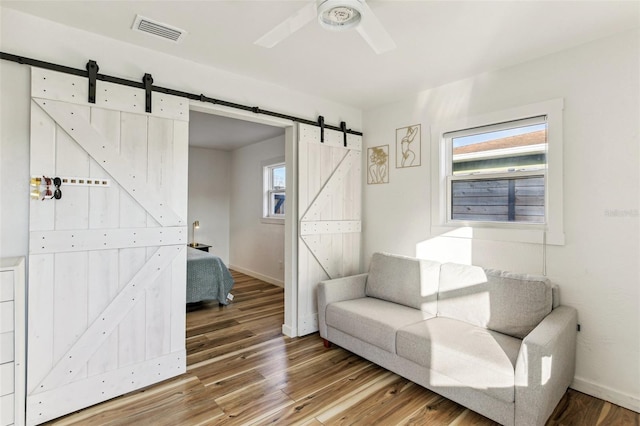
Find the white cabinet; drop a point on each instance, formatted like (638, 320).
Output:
(12, 341)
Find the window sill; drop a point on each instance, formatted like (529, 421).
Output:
(272, 220)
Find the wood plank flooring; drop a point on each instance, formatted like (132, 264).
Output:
(243, 371)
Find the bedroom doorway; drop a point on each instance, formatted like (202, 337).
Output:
(228, 153)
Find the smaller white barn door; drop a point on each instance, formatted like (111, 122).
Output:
(107, 261)
(329, 204)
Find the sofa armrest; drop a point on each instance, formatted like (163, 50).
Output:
(545, 366)
(336, 290)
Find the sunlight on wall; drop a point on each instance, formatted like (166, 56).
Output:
(446, 102)
(454, 246)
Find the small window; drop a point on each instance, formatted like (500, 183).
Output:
(498, 176)
(496, 173)
(275, 191)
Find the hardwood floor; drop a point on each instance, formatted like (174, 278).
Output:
(243, 371)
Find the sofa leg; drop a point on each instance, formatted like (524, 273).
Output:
(327, 344)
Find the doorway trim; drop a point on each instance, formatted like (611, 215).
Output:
(290, 326)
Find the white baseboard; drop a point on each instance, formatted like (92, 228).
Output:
(288, 331)
(602, 392)
(258, 275)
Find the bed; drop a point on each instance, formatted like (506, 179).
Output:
(207, 277)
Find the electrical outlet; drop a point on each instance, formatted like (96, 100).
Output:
(230, 296)
(280, 266)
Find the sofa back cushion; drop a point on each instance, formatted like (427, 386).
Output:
(521, 301)
(463, 294)
(404, 280)
(501, 301)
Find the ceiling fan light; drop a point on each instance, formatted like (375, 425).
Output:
(339, 15)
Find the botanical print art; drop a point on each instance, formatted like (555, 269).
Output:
(408, 146)
(378, 164)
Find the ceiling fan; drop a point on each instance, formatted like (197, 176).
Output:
(336, 15)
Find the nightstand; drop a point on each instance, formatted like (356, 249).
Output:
(200, 246)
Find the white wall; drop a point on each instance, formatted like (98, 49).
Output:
(210, 198)
(257, 248)
(14, 159)
(598, 268)
(29, 36)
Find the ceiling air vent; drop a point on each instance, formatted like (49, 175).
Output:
(158, 29)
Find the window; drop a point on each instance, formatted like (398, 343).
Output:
(274, 191)
(500, 175)
(496, 173)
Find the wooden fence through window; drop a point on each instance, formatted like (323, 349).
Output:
(499, 200)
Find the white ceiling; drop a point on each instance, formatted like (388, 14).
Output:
(227, 134)
(438, 41)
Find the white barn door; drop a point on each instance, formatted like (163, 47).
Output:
(329, 205)
(107, 261)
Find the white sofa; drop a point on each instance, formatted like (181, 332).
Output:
(496, 342)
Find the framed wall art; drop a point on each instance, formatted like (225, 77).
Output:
(378, 164)
(408, 146)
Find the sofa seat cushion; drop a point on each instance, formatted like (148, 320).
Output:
(373, 320)
(473, 356)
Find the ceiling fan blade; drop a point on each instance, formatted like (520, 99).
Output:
(373, 32)
(292, 24)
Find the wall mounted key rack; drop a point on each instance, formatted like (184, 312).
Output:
(48, 188)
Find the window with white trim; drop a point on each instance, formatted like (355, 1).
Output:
(274, 191)
(500, 174)
(496, 173)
